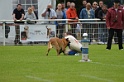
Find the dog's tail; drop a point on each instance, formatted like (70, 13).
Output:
(49, 47)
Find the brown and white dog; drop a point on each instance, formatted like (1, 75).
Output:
(48, 32)
(58, 44)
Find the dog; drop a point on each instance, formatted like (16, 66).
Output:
(58, 44)
(50, 33)
(24, 34)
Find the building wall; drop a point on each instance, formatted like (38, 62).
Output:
(5, 9)
(7, 6)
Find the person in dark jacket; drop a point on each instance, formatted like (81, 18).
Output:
(102, 13)
(114, 23)
(84, 3)
(99, 8)
(102, 31)
(18, 14)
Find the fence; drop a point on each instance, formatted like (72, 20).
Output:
(40, 32)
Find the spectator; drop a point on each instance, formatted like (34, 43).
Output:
(49, 13)
(84, 2)
(94, 5)
(87, 13)
(102, 13)
(72, 14)
(99, 8)
(60, 15)
(29, 16)
(63, 7)
(102, 32)
(68, 4)
(18, 14)
(96, 16)
(33, 10)
(114, 21)
(78, 31)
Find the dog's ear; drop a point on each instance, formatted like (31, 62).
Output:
(67, 39)
(46, 27)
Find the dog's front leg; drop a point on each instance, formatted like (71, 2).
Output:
(58, 52)
(48, 51)
(63, 50)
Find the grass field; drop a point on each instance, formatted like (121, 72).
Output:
(30, 64)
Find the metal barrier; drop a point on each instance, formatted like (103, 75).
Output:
(11, 33)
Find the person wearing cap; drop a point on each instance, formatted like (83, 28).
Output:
(114, 23)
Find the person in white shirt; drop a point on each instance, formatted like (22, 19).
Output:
(49, 13)
(75, 46)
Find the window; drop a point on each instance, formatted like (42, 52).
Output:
(25, 4)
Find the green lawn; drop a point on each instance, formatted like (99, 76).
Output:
(30, 64)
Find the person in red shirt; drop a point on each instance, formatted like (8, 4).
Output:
(71, 13)
(114, 23)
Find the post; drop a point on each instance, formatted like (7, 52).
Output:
(66, 27)
(85, 48)
(3, 33)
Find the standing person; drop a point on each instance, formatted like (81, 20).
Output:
(102, 13)
(68, 4)
(63, 7)
(99, 8)
(30, 16)
(18, 14)
(102, 32)
(114, 22)
(49, 13)
(87, 13)
(60, 15)
(71, 13)
(96, 15)
(33, 10)
(94, 5)
(84, 2)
